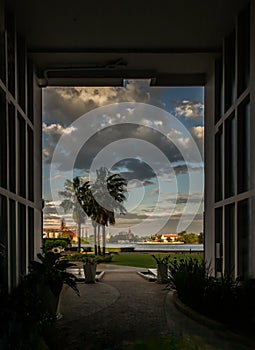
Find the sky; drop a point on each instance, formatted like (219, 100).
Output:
(151, 136)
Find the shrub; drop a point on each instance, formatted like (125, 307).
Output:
(104, 259)
(75, 257)
(221, 298)
(28, 313)
(189, 278)
(162, 259)
(220, 291)
(83, 257)
(50, 243)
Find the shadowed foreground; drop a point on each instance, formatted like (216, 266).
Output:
(124, 308)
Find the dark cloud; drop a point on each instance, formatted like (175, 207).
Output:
(183, 169)
(135, 169)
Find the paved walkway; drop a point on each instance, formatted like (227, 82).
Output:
(124, 307)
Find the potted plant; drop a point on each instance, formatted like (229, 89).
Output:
(90, 267)
(162, 268)
(49, 274)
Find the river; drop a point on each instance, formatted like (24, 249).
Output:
(154, 247)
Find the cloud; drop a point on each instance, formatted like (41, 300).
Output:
(135, 169)
(52, 133)
(198, 132)
(130, 168)
(57, 129)
(64, 105)
(189, 109)
(67, 104)
(185, 168)
(101, 139)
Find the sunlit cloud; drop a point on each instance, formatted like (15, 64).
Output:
(189, 109)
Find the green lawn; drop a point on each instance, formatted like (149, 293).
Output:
(145, 260)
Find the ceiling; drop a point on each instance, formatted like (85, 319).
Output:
(88, 39)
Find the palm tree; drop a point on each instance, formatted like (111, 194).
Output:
(73, 191)
(99, 201)
(109, 193)
(90, 207)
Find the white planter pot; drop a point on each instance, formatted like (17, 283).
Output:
(162, 273)
(90, 273)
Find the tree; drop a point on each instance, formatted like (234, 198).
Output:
(103, 199)
(201, 238)
(73, 191)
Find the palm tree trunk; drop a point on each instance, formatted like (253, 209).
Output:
(79, 237)
(95, 237)
(103, 234)
(98, 239)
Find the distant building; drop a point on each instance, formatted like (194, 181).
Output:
(56, 232)
(169, 236)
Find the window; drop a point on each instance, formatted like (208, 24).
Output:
(219, 108)
(243, 128)
(218, 240)
(12, 147)
(229, 173)
(3, 243)
(22, 242)
(30, 163)
(229, 239)
(21, 73)
(30, 100)
(13, 253)
(218, 165)
(3, 145)
(30, 234)
(21, 156)
(229, 69)
(11, 53)
(244, 237)
(2, 46)
(243, 51)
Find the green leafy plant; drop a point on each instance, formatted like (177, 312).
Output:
(89, 260)
(30, 310)
(89, 257)
(189, 278)
(162, 259)
(51, 270)
(220, 291)
(50, 243)
(221, 298)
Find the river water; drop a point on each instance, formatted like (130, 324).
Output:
(155, 247)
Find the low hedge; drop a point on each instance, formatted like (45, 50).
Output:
(50, 243)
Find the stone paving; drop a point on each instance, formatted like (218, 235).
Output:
(124, 307)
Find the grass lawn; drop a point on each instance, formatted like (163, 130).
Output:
(145, 260)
